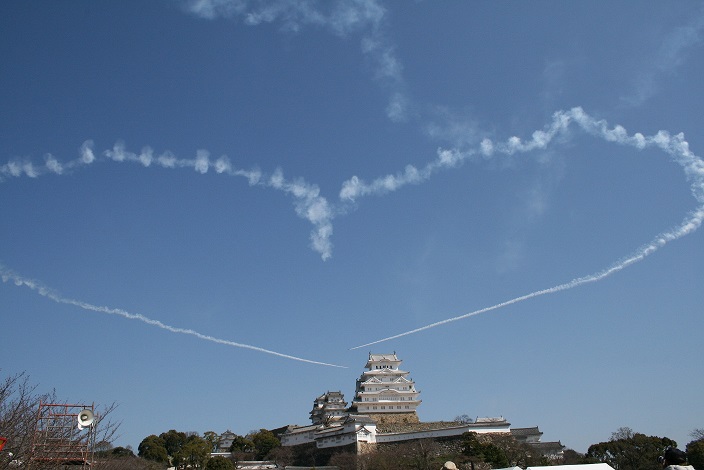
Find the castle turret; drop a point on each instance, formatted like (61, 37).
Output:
(328, 407)
(385, 392)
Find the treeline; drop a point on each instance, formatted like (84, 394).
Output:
(189, 450)
(625, 450)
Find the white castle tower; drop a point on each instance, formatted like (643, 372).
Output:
(384, 392)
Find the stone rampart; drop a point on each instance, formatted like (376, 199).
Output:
(394, 418)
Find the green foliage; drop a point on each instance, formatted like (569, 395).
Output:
(212, 437)
(479, 450)
(695, 454)
(572, 457)
(264, 442)
(638, 452)
(193, 454)
(219, 463)
(153, 448)
(242, 444)
(121, 452)
(173, 441)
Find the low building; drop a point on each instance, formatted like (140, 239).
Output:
(352, 430)
(359, 430)
(527, 435)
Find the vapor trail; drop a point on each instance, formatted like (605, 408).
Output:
(688, 226)
(308, 203)
(675, 146)
(44, 291)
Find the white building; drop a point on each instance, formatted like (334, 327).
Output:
(383, 411)
(358, 429)
(384, 388)
(330, 406)
(352, 430)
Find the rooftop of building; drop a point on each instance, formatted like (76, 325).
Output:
(383, 357)
(526, 431)
(545, 447)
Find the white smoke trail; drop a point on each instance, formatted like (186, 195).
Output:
(316, 209)
(671, 54)
(308, 202)
(339, 17)
(44, 291)
(675, 146)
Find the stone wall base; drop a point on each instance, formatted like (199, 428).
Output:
(394, 418)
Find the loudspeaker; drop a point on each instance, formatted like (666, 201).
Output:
(85, 418)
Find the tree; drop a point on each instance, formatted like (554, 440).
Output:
(482, 450)
(173, 441)
(622, 433)
(264, 442)
(381, 459)
(129, 463)
(219, 463)
(19, 404)
(213, 438)
(518, 453)
(464, 419)
(283, 456)
(193, 454)
(153, 448)
(638, 452)
(695, 453)
(697, 434)
(571, 457)
(242, 444)
(121, 452)
(421, 454)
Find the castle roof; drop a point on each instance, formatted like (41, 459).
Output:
(383, 357)
(373, 358)
(519, 432)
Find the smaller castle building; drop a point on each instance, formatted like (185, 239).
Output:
(328, 407)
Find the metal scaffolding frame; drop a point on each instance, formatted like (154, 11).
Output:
(58, 437)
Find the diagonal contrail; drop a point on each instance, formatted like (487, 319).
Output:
(44, 291)
(675, 146)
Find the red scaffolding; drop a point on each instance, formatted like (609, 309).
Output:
(59, 439)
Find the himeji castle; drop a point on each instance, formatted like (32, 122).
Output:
(384, 389)
(383, 411)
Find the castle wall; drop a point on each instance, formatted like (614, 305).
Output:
(394, 418)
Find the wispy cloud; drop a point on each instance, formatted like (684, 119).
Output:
(669, 57)
(341, 18)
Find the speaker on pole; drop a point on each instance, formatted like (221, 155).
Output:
(85, 418)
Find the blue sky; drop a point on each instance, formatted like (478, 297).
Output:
(203, 201)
